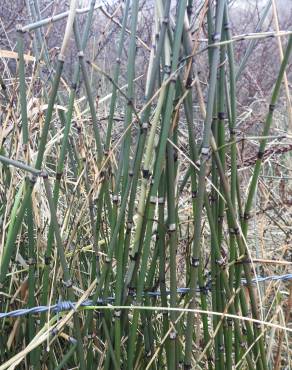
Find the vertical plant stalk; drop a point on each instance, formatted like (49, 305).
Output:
(9, 245)
(234, 228)
(116, 78)
(133, 177)
(62, 156)
(67, 281)
(124, 160)
(263, 142)
(172, 233)
(281, 54)
(8, 248)
(155, 181)
(140, 149)
(29, 214)
(195, 261)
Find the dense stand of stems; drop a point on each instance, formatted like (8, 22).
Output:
(116, 221)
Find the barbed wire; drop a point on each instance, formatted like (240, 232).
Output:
(68, 305)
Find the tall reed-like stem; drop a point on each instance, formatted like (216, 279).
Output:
(201, 180)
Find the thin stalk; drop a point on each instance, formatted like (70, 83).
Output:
(162, 259)
(67, 278)
(172, 248)
(67, 357)
(201, 183)
(231, 106)
(235, 229)
(116, 78)
(263, 142)
(124, 160)
(29, 216)
(62, 156)
(150, 143)
(156, 180)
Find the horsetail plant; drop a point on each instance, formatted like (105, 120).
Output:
(124, 226)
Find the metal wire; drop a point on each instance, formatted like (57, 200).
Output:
(68, 305)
